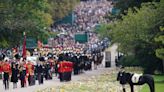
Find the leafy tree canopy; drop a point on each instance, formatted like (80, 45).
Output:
(31, 16)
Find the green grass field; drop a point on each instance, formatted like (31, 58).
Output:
(159, 84)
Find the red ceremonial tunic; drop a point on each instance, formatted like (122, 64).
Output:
(29, 69)
(1, 64)
(6, 68)
(65, 66)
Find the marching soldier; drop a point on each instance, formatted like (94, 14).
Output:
(14, 76)
(76, 63)
(39, 72)
(6, 69)
(22, 75)
(47, 71)
(24, 72)
(30, 73)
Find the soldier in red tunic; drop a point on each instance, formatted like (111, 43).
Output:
(30, 72)
(24, 72)
(1, 64)
(6, 72)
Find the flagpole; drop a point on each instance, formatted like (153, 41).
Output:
(24, 46)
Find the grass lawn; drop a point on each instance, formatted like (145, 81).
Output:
(159, 84)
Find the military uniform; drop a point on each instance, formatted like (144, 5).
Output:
(7, 70)
(39, 73)
(30, 73)
(14, 76)
(22, 75)
(47, 71)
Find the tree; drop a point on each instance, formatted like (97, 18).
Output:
(32, 16)
(136, 31)
(18, 16)
(160, 49)
(103, 31)
(124, 5)
(160, 40)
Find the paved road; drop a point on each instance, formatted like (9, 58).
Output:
(54, 82)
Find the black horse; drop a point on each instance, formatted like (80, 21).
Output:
(125, 78)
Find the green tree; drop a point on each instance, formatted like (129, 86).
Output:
(17, 16)
(160, 40)
(124, 5)
(136, 31)
(103, 31)
(160, 49)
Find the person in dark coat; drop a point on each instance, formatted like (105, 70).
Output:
(47, 71)
(56, 68)
(14, 76)
(75, 65)
(22, 75)
(39, 73)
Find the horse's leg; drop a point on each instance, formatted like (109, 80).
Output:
(123, 88)
(151, 86)
(132, 87)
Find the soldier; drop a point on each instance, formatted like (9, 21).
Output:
(47, 71)
(75, 65)
(39, 72)
(24, 71)
(55, 64)
(6, 69)
(90, 61)
(95, 60)
(30, 73)
(14, 76)
(22, 75)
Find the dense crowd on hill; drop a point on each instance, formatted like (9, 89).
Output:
(87, 15)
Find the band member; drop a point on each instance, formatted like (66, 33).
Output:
(24, 72)
(39, 72)
(47, 71)
(7, 70)
(22, 75)
(75, 67)
(56, 68)
(30, 73)
(95, 61)
(14, 76)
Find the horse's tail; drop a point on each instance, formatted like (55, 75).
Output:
(151, 84)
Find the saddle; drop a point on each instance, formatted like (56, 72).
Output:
(135, 78)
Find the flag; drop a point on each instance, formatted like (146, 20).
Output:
(24, 46)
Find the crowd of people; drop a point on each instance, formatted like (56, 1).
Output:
(87, 15)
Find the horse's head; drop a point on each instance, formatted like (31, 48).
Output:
(123, 77)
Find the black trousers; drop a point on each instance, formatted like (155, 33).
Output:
(6, 80)
(31, 80)
(66, 76)
(40, 78)
(22, 82)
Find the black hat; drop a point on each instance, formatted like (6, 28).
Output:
(41, 59)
